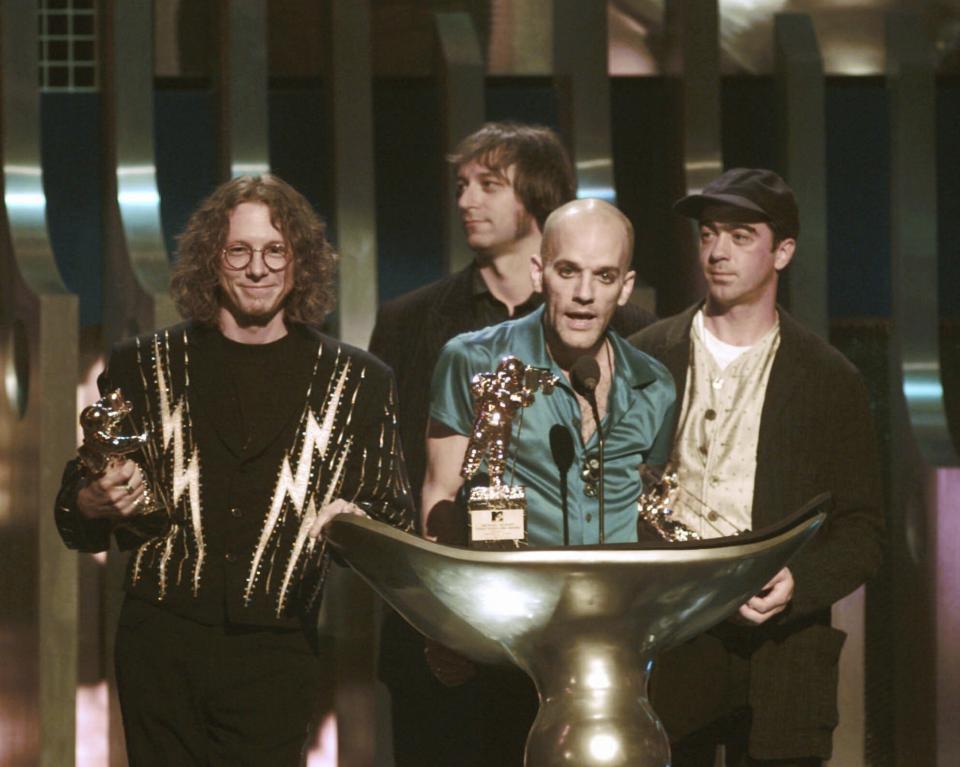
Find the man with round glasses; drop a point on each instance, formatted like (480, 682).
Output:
(259, 429)
(238, 256)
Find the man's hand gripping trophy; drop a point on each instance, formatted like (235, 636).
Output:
(116, 489)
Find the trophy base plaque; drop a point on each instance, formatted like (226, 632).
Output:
(497, 518)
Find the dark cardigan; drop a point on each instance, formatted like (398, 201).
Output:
(816, 435)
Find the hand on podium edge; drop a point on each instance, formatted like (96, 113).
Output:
(328, 512)
(771, 601)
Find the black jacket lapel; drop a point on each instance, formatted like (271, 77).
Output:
(452, 314)
(675, 353)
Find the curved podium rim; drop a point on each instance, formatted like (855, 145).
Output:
(810, 515)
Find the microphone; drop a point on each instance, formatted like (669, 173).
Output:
(585, 375)
(561, 448)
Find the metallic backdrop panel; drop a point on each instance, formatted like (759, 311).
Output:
(38, 362)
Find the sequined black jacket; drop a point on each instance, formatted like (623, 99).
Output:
(238, 549)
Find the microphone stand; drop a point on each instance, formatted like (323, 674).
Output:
(585, 377)
(596, 417)
(561, 448)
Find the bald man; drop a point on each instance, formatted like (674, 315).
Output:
(510, 177)
(583, 271)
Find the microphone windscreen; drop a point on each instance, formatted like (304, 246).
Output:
(561, 447)
(585, 375)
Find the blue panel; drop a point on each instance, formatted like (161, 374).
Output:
(749, 127)
(407, 140)
(948, 195)
(410, 169)
(646, 159)
(72, 161)
(523, 99)
(301, 144)
(858, 198)
(186, 151)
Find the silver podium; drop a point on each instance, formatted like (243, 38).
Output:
(584, 622)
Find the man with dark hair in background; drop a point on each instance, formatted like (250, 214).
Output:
(510, 177)
(260, 429)
(771, 416)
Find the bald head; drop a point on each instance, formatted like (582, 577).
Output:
(583, 271)
(587, 215)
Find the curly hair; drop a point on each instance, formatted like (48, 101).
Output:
(195, 277)
(544, 176)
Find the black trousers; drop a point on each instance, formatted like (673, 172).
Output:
(481, 723)
(193, 694)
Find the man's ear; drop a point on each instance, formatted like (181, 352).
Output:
(783, 253)
(627, 288)
(536, 273)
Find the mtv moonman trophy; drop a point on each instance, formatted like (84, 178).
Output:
(654, 509)
(109, 435)
(498, 513)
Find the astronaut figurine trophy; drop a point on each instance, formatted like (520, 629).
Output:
(109, 435)
(498, 513)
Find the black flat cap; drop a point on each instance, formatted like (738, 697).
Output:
(756, 190)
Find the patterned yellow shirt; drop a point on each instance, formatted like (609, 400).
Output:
(715, 450)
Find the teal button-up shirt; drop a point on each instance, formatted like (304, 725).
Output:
(637, 427)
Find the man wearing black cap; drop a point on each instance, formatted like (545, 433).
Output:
(771, 416)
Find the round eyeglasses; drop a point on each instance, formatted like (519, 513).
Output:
(239, 255)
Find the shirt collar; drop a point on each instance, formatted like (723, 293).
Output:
(478, 288)
(632, 368)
